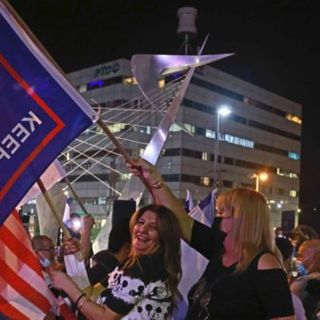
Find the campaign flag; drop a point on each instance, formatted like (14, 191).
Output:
(23, 292)
(41, 113)
(193, 263)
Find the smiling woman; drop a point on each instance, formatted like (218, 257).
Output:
(145, 286)
(244, 278)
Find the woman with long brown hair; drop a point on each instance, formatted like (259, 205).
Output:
(244, 278)
(145, 286)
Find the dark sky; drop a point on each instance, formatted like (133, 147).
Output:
(276, 44)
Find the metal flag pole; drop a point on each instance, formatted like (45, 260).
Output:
(122, 151)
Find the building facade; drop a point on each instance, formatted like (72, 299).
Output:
(262, 134)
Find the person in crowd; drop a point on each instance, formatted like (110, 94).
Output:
(301, 233)
(145, 285)
(307, 286)
(105, 261)
(287, 249)
(80, 232)
(44, 248)
(244, 278)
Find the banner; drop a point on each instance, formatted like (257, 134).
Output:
(41, 113)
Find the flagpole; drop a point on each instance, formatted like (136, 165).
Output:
(53, 208)
(68, 182)
(123, 152)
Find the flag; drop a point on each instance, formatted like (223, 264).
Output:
(193, 263)
(204, 211)
(51, 176)
(189, 201)
(23, 291)
(41, 113)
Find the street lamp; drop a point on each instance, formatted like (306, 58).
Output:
(222, 111)
(262, 176)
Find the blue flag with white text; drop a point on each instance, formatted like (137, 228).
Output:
(41, 113)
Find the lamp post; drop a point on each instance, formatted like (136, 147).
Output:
(262, 176)
(222, 111)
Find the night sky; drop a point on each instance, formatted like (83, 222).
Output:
(276, 45)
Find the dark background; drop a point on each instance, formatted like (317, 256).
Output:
(276, 45)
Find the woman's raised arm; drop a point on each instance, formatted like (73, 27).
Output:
(162, 194)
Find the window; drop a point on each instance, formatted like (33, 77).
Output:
(293, 118)
(82, 88)
(294, 155)
(175, 128)
(129, 81)
(190, 127)
(116, 127)
(210, 134)
(293, 193)
(286, 173)
(102, 200)
(205, 156)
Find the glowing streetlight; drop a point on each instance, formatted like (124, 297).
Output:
(260, 177)
(223, 111)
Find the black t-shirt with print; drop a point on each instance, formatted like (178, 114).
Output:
(141, 291)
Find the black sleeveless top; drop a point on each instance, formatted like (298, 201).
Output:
(223, 294)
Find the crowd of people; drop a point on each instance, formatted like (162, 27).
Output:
(251, 273)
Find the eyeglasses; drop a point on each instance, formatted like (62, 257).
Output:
(47, 249)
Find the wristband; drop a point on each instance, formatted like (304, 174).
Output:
(82, 302)
(77, 301)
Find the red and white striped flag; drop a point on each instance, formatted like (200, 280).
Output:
(23, 292)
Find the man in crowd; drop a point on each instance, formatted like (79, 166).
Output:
(307, 286)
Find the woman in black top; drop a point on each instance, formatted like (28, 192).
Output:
(143, 287)
(244, 278)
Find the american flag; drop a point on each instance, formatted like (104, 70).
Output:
(23, 291)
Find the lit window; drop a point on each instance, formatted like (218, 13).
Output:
(293, 118)
(162, 83)
(82, 88)
(288, 174)
(294, 155)
(205, 156)
(129, 81)
(116, 127)
(210, 134)
(141, 152)
(238, 141)
(175, 128)
(191, 128)
(102, 200)
(293, 193)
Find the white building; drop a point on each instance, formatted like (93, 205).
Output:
(262, 134)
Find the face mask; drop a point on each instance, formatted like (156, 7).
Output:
(216, 223)
(45, 262)
(301, 269)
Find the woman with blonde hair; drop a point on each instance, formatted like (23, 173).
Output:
(145, 286)
(244, 278)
